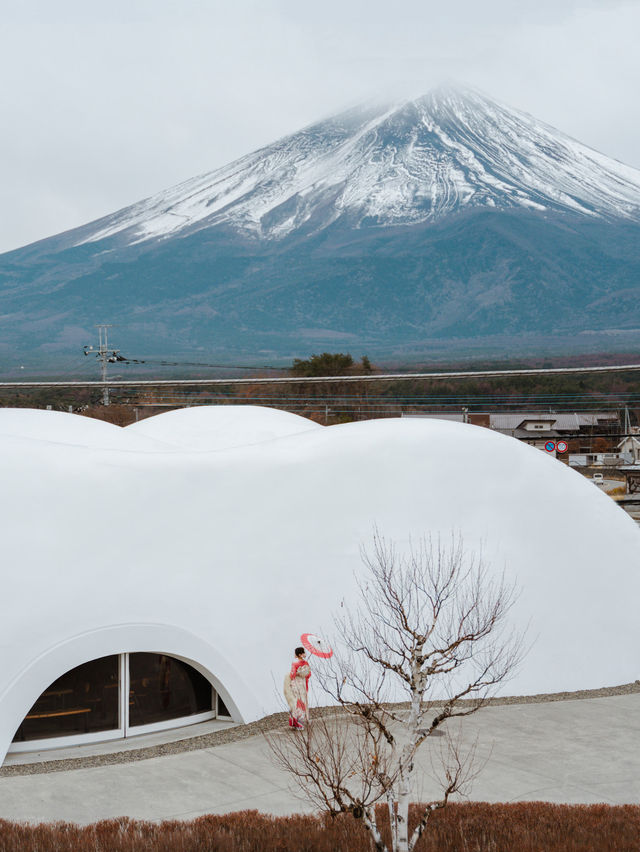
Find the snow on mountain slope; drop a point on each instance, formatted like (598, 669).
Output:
(405, 163)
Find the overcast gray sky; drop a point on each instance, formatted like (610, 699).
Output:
(104, 104)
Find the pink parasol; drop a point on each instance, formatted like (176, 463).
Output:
(316, 645)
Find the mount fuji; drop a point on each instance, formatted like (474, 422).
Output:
(444, 225)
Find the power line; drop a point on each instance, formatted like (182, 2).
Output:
(377, 377)
(200, 364)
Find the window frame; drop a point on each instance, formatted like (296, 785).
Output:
(124, 731)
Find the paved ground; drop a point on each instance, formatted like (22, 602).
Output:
(610, 484)
(562, 751)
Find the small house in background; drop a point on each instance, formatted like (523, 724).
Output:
(629, 447)
(578, 430)
(599, 459)
(585, 434)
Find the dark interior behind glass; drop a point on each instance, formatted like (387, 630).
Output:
(164, 688)
(82, 701)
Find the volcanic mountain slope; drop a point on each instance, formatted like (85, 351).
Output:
(401, 165)
(443, 223)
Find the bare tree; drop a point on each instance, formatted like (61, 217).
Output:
(430, 627)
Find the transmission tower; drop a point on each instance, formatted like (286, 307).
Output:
(105, 356)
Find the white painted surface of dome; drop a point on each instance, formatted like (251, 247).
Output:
(60, 427)
(225, 558)
(221, 427)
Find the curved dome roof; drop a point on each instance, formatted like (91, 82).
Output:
(221, 427)
(59, 427)
(231, 555)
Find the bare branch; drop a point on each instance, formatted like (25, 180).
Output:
(430, 627)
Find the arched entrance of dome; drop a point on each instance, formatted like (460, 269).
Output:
(117, 696)
(35, 676)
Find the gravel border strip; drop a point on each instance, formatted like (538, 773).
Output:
(269, 723)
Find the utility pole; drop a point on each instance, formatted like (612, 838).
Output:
(105, 356)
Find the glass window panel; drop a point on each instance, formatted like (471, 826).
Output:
(163, 688)
(82, 701)
(222, 708)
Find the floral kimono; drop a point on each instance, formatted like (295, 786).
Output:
(296, 689)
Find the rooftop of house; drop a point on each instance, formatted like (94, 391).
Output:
(560, 422)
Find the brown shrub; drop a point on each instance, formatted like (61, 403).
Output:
(535, 827)
(618, 491)
(473, 827)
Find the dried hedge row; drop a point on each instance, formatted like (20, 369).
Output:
(472, 827)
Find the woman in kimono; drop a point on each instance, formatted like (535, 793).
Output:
(296, 689)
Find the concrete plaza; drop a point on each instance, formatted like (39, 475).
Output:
(574, 751)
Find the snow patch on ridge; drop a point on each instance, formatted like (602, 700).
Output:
(412, 162)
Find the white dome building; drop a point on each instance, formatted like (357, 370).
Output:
(162, 574)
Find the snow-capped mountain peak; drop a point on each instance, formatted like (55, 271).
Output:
(394, 164)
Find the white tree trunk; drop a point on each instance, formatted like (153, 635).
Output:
(407, 759)
(402, 843)
(370, 822)
(393, 821)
